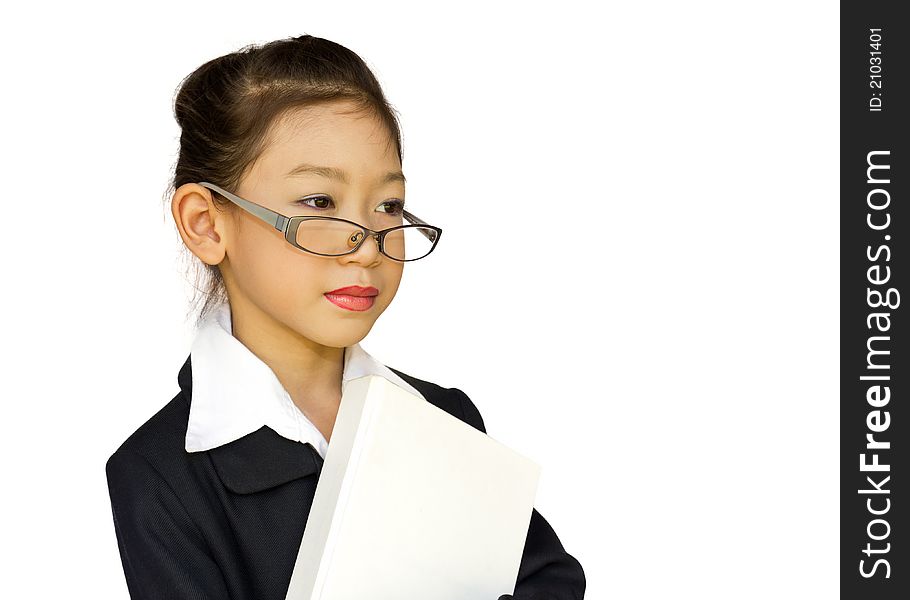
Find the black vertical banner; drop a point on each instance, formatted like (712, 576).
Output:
(874, 370)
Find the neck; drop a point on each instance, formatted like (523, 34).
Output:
(310, 372)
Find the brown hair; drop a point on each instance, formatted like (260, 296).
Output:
(226, 107)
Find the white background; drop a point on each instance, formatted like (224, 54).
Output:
(637, 283)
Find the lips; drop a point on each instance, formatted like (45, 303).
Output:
(356, 290)
(353, 297)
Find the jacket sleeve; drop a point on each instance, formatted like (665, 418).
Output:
(163, 553)
(547, 571)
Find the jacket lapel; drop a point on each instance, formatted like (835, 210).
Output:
(260, 460)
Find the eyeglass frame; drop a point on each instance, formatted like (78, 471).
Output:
(283, 223)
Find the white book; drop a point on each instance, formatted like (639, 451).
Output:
(412, 503)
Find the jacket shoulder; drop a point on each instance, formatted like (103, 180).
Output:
(452, 400)
(160, 439)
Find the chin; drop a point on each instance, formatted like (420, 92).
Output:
(341, 333)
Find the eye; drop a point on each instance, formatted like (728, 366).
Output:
(394, 206)
(318, 198)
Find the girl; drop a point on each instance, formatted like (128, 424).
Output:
(288, 188)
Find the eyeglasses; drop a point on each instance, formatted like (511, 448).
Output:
(334, 236)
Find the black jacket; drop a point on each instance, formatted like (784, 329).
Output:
(226, 523)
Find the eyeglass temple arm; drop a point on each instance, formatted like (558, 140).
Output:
(277, 220)
(430, 234)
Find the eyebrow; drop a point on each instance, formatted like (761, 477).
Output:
(340, 174)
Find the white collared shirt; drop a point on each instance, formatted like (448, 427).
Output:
(235, 393)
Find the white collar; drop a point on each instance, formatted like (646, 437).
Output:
(235, 393)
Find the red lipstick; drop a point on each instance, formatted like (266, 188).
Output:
(353, 297)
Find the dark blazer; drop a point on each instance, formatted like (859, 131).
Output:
(227, 522)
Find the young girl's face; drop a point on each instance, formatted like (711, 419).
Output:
(278, 286)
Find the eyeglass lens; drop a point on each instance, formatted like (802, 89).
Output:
(336, 238)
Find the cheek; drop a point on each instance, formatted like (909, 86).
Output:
(273, 273)
(391, 278)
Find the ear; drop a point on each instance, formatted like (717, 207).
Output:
(201, 226)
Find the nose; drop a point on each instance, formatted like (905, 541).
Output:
(367, 252)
